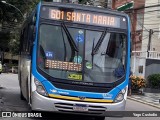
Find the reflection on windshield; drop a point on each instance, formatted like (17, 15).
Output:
(67, 53)
(109, 57)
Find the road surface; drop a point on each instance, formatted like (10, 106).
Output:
(10, 101)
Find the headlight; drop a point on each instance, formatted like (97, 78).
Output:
(120, 96)
(39, 88)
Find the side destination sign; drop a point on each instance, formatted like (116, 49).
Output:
(83, 17)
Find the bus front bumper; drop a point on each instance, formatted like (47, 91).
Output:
(41, 103)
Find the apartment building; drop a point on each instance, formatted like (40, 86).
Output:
(145, 31)
(151, 22)
(135, 13)
(151, 38)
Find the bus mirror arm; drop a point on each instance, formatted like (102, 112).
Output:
(32, 34)
(31, 46)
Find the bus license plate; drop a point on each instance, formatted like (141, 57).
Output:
(77, 107)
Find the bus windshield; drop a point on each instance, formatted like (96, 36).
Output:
(77, 54)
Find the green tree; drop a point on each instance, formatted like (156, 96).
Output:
(11, 21)
(4, 40)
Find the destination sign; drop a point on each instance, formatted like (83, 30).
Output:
(83, 17)
(71, 66)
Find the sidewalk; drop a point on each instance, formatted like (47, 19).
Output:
(152, 99)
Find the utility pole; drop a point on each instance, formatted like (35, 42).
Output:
(149, 41)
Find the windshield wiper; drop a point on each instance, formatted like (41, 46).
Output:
(92, 52)
(71, 41)
(96, 48)
(65, 49)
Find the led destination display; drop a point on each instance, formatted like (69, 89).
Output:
(71, 66)
(83, 17)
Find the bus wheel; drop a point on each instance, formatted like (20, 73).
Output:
(99, 118)
(21, 96)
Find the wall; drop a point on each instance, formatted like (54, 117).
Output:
(151, 21)
(152, 67)
(136, 17)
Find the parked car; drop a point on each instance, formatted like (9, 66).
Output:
(14, 69)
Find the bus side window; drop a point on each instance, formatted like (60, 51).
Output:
(25, 36)
(21, 41)
(32, 31)
(31, 37)
(27, 39)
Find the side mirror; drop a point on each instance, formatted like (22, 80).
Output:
(32, 32)
(34, 19)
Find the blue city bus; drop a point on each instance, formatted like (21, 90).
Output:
(75, 59)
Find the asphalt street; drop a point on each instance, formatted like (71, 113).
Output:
(10, 101)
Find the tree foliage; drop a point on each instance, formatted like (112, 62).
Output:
(11, 20)
(154, 81)
(9, 13)
(4, 41)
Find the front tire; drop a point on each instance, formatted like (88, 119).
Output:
(21, 96)
(99, 118)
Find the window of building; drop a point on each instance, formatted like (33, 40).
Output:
(140, 69)
(158, 9)
(159, 32)
(110, 3)
(139, 21)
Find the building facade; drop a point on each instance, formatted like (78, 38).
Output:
(151, 38)
(152, 22)
(145, 35)
(136, 14)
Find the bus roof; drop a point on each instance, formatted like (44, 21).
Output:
(85, 7)
(77, 7)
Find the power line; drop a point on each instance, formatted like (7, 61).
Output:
(149, 18)
(148, 15)
(142, 25)
(144, 12)
(143, 7)
(151, 24)
(138, 2)
(145, 38)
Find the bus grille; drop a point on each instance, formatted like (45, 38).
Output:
(65, 107)
(83, 88)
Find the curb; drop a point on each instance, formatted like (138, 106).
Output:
(150, 104)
